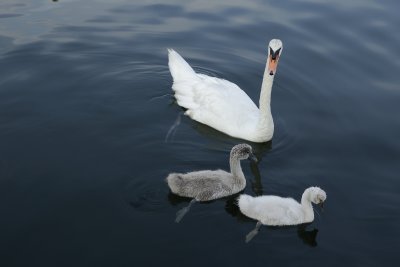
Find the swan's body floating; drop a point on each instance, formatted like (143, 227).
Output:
(278, 211)
(209, 185)
(221, 104)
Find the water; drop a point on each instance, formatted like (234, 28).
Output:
(86, 106)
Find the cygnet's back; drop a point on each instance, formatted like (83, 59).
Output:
(203, 185)
(208, 185)
(271, 210)
(275, 210)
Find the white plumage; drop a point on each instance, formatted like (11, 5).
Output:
(221, 104)
(274, 210)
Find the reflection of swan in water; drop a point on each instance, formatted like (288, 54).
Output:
(278, 211)
(256, 184)
(209, 185)
(221, 104)
(172, 130)
(308, 237)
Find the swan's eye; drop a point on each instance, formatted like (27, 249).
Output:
(271, 51)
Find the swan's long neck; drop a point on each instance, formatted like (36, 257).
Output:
(265, 121)
(307, 207)
(266, 89)
(236, 169)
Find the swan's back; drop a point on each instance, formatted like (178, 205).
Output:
(204, 185)
(216, 102)
(271, 210)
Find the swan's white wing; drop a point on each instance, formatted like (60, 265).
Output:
(217, 103)
(293, 215)
(271, 210)
(212, 101)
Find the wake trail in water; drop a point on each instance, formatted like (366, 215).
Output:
(172, 129)
(319, 216)
(159, 97)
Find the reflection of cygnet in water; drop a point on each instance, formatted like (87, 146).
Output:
(278, 211)
(209, 185)
(308, 237)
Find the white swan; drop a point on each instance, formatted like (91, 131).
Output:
(209, 185)
(278, 211)
(221, 104)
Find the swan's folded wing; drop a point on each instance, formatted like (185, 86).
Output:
(217, 102)
(293, 216)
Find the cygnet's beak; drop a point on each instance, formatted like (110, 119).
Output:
(253, 158)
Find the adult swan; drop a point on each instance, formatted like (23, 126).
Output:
(221, 104)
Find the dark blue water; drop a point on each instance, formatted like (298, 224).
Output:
(86, 104)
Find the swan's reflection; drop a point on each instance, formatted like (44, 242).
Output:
(221, 138)
(256, 184)
(309, 237)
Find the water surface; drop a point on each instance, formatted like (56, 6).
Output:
(86, 105)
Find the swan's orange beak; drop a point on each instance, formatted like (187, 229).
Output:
(272, 64)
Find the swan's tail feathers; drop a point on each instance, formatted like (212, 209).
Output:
(245, 203)
(179, 68)
(183, 211)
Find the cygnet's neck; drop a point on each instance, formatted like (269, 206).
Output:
(236, 169)
(307, 206)
(265, 121)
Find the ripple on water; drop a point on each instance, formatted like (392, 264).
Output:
(147, 194)
(283, 139)
(102, 72)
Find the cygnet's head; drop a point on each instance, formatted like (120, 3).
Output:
(275, 48)
(243, 151)
(317, 195)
